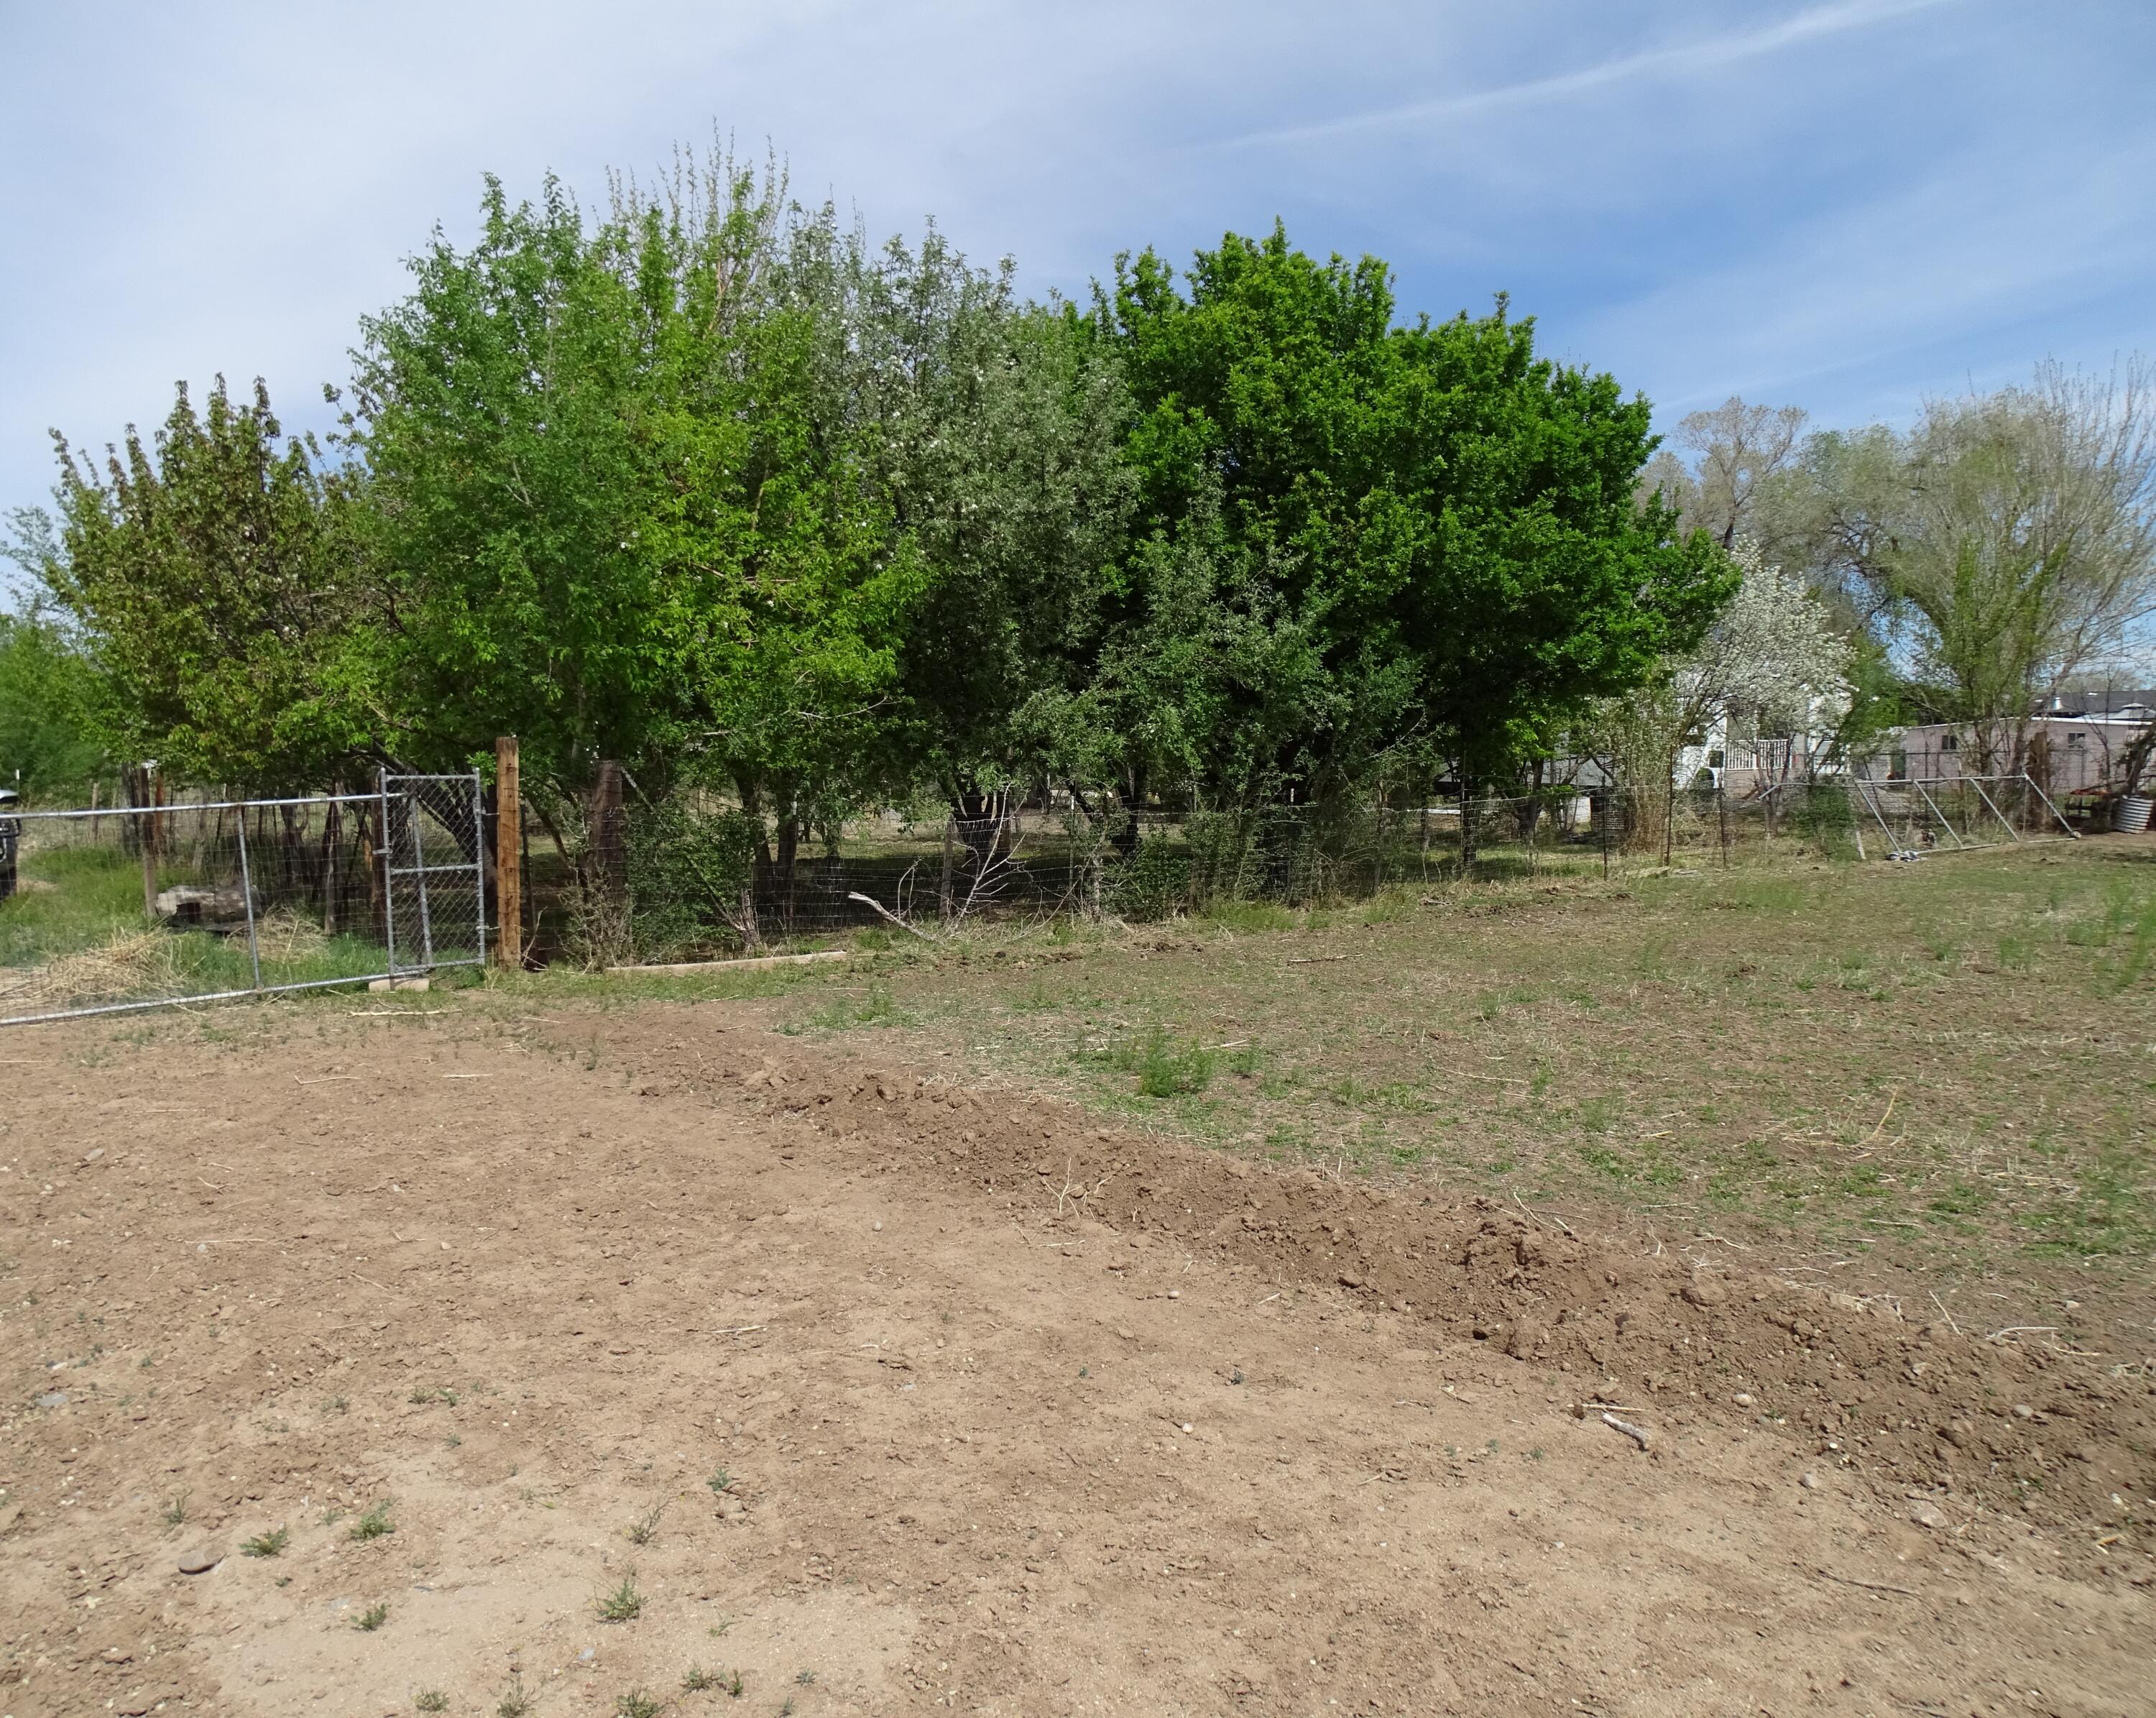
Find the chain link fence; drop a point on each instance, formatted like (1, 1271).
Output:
(136, 907)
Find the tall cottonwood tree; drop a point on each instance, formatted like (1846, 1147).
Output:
(2005, 545)
(1741, 455)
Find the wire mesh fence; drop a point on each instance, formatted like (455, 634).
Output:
(134, 907)
(122, 907)
(701, 882)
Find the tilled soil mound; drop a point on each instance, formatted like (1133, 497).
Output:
(2062, 1439)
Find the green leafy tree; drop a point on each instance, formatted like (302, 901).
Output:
(504, 411)
(2001, 548)
(214, 577)
(49, 743)
(996, 431)
(1366, 539)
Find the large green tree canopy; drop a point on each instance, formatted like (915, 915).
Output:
(215, 579)
(705, 483)
(1404, 533)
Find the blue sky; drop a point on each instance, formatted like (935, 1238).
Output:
(1845, 204)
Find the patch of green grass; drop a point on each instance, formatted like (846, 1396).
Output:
(1605, 1162)
(372, 1618)
(515, 1702)
(266, 1545)
(1596, 1115)
(697, 1679)
(175, 1512)
(431, 1699)
(2107, 1216)
(645, 1527)
(77, 900)
(1250, 917)
(1757, 1102)
(374, 1523)
(624, 1604)
(1960, 1198)
(843, 1013)
(1167, 1067)
(2141, 945)
(637, 1704)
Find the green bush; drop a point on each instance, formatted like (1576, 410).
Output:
(1169, 1068)
(689, 868)
(1154, 882)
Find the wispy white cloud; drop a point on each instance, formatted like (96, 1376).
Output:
(1676, 59)
(1969, 273)
(1912, 190)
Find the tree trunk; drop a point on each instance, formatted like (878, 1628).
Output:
(752, 809)
(789, 850)
(609, 823)
(332, 858)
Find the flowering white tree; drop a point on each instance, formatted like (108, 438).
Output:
(1773, 653)
(1773, 657)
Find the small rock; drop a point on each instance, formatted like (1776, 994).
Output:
(117, 1656)
(1743, 1398)
(2022, 1410)
(1348, 1279)
(1812, 1482)
(877, 1226)
(1925, 1515)
(1702, 1293)
(1175, 1295)
(52, 1399)
(1957, 1432)
(200, 1560)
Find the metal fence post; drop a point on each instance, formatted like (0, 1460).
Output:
(412, 808)
(479, 861)
(247, 897)
(385, 847)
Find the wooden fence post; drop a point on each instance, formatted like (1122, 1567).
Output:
(508, 857)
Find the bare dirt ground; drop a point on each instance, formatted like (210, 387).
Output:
(1011, 1414)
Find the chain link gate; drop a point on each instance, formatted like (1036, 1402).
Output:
(120, 908)
(433, 861)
